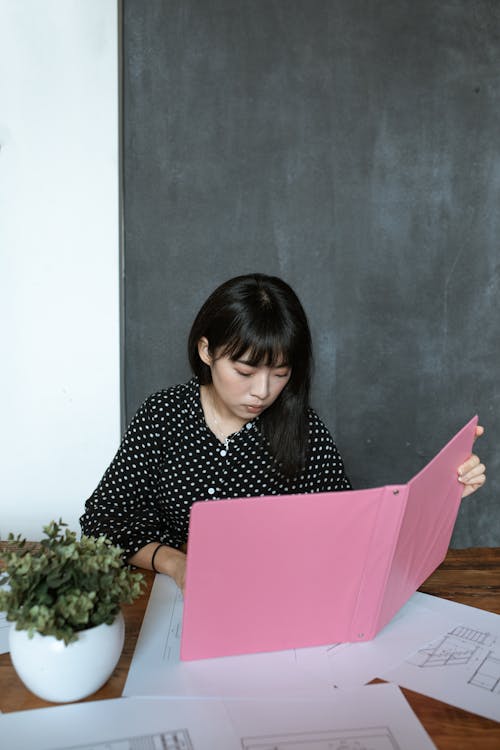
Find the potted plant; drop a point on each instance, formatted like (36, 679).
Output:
(64, 599)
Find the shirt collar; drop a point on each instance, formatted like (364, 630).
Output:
(196, 409)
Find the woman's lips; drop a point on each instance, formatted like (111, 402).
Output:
(254, 409)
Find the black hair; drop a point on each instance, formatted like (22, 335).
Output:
(262, 318)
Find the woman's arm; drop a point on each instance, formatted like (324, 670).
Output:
(123, 506)
(167, 560)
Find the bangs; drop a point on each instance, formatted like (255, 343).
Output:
(270, 349)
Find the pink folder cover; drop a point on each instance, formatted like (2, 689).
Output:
(279, 572)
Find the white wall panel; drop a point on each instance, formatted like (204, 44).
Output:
(59, 257)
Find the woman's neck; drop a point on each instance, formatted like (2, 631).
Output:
(219, 419)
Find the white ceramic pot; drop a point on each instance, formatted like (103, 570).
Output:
(60, 673)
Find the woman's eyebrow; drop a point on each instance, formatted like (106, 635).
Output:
(249, 363)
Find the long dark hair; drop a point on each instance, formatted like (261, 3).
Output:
(261, 317)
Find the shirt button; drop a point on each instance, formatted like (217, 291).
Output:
(223, 452)
(249, 425)
(211, 490)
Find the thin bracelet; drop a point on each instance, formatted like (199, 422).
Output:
(154, 555)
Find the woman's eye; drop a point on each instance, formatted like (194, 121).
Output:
(244, 374)
(282, 374)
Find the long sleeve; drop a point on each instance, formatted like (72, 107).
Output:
(123, 506)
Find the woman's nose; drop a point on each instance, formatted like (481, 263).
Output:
(260, 385)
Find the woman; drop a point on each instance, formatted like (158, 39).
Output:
(241, 427)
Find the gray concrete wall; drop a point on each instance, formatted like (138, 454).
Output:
(351, 147)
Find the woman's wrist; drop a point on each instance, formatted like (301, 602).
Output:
(167, 560)
(172, 562)
(153, 556)
(158, 557)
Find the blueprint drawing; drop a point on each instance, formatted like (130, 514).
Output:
(376, 738)
(177, 739)
(461, 667)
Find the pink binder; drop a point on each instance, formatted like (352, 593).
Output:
(279, 572)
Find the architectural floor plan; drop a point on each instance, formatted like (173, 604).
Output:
(372, 738)
(458, 647)
(465, 647)
(177, 739)
(487, 674)
(461, 667)
(376, 717)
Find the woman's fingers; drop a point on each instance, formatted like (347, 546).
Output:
(472, 474)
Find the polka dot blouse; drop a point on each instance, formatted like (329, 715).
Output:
(169, 458)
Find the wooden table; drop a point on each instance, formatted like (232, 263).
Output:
(470, 576)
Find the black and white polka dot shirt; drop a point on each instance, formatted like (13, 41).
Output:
(169, 458)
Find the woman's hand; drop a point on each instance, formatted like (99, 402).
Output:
(177, 570)
(472, 473)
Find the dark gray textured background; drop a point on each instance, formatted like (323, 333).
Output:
(351, 147)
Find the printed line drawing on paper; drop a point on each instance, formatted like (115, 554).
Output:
(458, 647)
(372, 738)
(487, 675)
(176, 739)
(172, 647)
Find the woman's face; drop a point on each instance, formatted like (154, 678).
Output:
(240, 389)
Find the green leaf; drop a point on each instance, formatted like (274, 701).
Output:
(67, 584)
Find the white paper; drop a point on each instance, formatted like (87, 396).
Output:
(347, 665)
(376, 717)
(453, 610)
(461, 664)
(121, 724)
(156, 668)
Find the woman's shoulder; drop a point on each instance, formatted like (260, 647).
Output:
(179, 396)
(173, 400)
(317, 428)
(314, 419)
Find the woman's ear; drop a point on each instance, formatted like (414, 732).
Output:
(204, 351)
